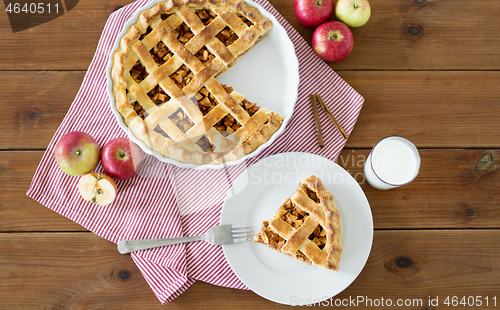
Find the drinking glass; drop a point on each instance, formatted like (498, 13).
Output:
(394, 161)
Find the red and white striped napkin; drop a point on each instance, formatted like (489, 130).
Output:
(166, 201)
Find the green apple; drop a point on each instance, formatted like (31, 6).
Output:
(353, 13)
(77, 153)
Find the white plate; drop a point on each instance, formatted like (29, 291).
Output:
(267, 75)
(255, 197)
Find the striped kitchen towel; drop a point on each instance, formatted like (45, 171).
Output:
(167, 201)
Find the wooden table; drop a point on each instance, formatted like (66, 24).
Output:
(429, 71)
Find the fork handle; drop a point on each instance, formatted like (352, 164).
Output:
(127, 246)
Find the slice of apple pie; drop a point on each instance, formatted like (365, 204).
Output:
(306, 226)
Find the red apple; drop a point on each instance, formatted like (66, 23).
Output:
(332, 41)
(98, 188)
(77, 153)
(121, 158)
(311, 13)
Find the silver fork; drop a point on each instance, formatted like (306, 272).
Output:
(217, 235)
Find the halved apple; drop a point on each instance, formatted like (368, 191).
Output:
(98, 188)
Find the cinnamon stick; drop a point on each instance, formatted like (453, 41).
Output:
(316, 119)
(332, 118)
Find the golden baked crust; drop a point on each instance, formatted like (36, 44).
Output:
(165, 87)
(306, 226)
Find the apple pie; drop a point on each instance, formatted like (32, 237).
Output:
(165, 85)
(306, 226)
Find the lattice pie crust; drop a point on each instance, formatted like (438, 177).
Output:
(165, 87)
(306, 226)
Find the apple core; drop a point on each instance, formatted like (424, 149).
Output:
(97, 188)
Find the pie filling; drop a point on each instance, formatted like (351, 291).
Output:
(160, 53)
(247, 21)
(227, 36)
(292, 215)
(228, 124)
(148, 31)
(310, 193)
(183, 33)
(205, 56)
(181, 120)
(205, 144)
(206, 16)
(182, 76)
(158, 95)
(140, 111)
(138, 72)
(164, 16)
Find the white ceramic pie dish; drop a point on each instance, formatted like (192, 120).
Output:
(267, 75)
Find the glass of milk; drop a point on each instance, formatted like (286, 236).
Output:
(393, 161)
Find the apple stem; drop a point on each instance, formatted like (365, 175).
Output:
(122, 153)
(319, 2)
(355, 4)
(77, 152)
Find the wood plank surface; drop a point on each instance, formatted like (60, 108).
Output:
(66, 43)
(433, 109)
(419, 35)
(18, 212)
(455, 109)
(35, 104)
(401, 35)
(83, 271)
(455, 189)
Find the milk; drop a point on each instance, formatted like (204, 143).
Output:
(393, 161)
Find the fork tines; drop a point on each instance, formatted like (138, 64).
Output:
(241, 233)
